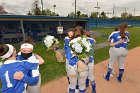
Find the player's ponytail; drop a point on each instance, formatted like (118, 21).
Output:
(79, 31)
(3, 49)
(87, 33)
(122, 28)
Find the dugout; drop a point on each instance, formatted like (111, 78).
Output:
(17, 27)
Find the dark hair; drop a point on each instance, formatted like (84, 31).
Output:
(3, 49)
(71, 30)
(79, 29)
(116, 28)
(29, 40)
(87, 33)
(122, 28)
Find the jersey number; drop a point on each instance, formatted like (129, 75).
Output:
(8, 80)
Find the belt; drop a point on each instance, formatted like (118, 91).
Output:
(120, 47)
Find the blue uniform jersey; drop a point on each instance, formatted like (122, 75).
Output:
(91, 58)
(66, 42)
(7, 70)
(69, 54)
(115, 37)
(32, 73)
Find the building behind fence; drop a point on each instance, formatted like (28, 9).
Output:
(15, 27)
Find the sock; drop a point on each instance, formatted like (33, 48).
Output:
(71, 90)
(68, 79)
(77, 86)
(109, 71)
(121, 71)
(83, 91)
(87, 82)
(93, 84)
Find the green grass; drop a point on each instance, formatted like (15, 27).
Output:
(105, 34)
(52, 69)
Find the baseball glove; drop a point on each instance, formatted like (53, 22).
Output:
(60, 55)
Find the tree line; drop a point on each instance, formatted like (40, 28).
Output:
(36, 10)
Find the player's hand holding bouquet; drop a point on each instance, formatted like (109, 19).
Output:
(83, 49)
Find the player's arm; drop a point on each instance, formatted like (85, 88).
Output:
(92, 40)
(116, 43)
(66, 43)
(41, 60)
(30, 65)
(29, 80)
(111, 40)
(128, 37)
(71, 57)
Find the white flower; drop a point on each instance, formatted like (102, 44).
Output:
(75, 40)
(49, 41)
(78, 48)
(87, 44)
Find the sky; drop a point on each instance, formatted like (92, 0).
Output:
(63, 7)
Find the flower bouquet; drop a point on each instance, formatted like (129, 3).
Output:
(83, 49)
(50, 42)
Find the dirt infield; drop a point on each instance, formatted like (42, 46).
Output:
(130, 83)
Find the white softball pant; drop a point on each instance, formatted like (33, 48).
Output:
(35, 88)
(117, 53)
(74, 76)
(90, 71)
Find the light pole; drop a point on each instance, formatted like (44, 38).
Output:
(42, 5)
(54, 7)
(97, 8)
(97, 13)
(75, 14)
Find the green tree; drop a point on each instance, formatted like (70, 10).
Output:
(44, 12)
(71, 14)
(36, 10)
(103, 15)
(50, 13)
(130, 16)
(29, 13)
(78, 13)
(2, 10)
(83, 15)
(94, 15)
(124, 15)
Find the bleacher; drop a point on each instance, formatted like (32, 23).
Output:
(11, 37)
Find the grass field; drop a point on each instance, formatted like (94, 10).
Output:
(51, 69)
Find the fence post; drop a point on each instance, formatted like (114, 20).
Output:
(22, 29)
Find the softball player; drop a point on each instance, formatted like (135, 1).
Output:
(74, 72)
(26, 54)
(73, 75)
(66, 43)
(119, 41)
(10, 82)
(90, 67)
